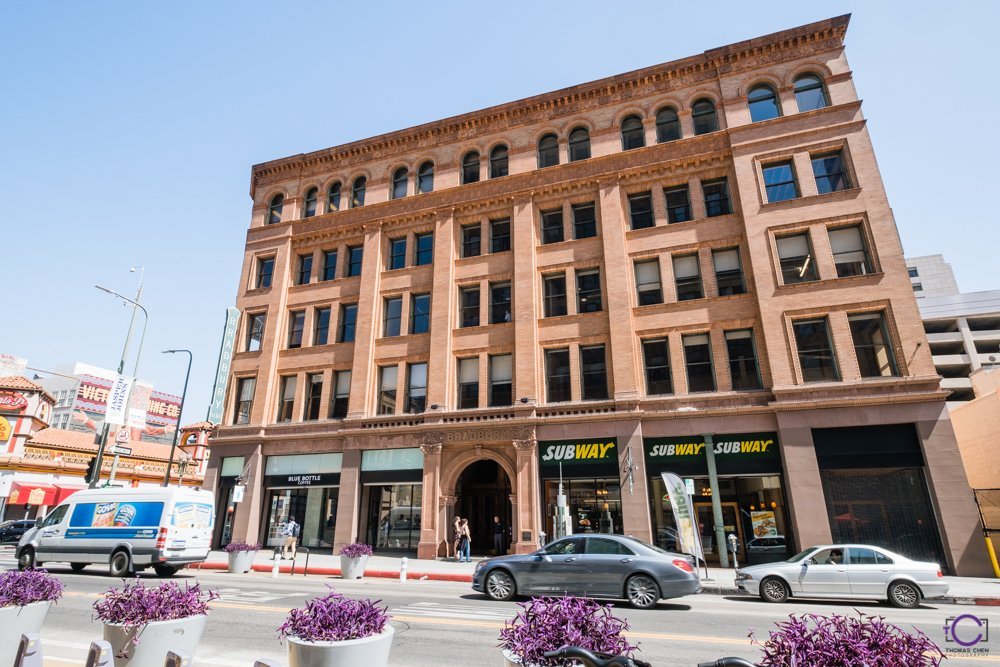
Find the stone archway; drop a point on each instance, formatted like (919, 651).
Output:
(480, 496)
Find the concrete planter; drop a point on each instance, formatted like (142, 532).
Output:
(155, 640)
(353, 568)
(241, 561)
(511, 660)
(17, 621)
(370, 651)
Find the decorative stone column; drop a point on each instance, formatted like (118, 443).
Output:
(446, 514)
(430, 534)
(527, 513)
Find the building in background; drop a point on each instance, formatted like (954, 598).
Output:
(931, 276)
(586, 285)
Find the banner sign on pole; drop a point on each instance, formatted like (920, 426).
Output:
(684, 515)
(139, 403)
(118, 400)
(222, 369)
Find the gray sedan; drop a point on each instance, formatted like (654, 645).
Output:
(599, 566)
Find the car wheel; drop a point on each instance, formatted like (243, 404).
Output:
(903, 594)
(500, 585)
(773, 589)
(77, 567)
(165, 570)
(26, 560)
(642, 592)
(121, 564)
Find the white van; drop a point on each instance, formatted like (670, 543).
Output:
(130, 529)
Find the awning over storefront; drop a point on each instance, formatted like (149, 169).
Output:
(64, 491)
(22, 493)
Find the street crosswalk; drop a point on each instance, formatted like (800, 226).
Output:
(465, 612)
(7, 560)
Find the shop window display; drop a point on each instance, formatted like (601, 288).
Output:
(594, 504)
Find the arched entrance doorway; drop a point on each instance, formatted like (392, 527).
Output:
(482, 492)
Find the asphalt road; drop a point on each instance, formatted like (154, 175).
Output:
(441, 623)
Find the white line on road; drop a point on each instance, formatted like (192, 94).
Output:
(452, 611)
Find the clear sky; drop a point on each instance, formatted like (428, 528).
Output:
(128, 130)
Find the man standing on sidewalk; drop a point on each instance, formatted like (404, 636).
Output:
(498, 534)
(291, 535)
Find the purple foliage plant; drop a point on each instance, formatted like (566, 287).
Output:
(334, 618)
(547, 624)
(233, 547)
(20, 588)
(811, 640)
(356, 550)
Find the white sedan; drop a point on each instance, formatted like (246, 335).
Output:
(847, 571)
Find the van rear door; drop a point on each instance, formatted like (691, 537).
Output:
(190, 534)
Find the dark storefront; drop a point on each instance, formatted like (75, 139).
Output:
(590, 481)
(391, 497)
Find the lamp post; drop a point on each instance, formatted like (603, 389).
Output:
(177, 431)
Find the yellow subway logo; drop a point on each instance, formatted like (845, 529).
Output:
(591, 451)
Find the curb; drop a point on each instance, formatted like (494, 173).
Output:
(335, 572)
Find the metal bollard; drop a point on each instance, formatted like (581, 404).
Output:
(29, 652)
(277, 562)
(99, 655)
(402, 569)
(177, 659)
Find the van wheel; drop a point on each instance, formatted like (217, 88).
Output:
(26, 560)
(165, 570)
(77, 567)
(121, 564)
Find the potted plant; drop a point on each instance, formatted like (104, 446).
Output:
(25, 599)
(336, 631)
(831, 641)
(354, 559)
(241, 555)
(548, 624)
(142, 624)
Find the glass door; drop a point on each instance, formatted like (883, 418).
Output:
(283, 503)
(731, 524)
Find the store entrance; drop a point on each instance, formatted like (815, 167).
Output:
(483, 491)
(731, 524)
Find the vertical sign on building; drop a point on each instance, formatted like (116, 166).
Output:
(222, 369)
(118, 400)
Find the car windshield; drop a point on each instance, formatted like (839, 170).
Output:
(799, 556)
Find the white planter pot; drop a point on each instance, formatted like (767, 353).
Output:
(353, 568)
(155, 639)
(17, 621)
(370, 651)
(241, 561)
(511, 660)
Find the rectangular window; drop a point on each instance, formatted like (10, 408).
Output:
(393, 314)
(321, 329)
(265, 272)
(716, 197)
(554, 288)
(348, 321)
(472, 237)
(584, 221)
(397, 254)
(656, 358)
(742, 354)
(387, 390)
(286, 401)
(468, 383)
(255, 331)
(812, 338)
(594, 372)
(296, 323)
(420, 313)
(588, 291)
(552, 226)
(678, 204)
(416, 388)
(918, 287)
(850, 253)
(500, 235)
(698, 359)
(314, 394)
(425, 249)
(640, 209)
(728, 271)
(499, 303)
(795, 254)
(305, 269)
(912, 270)
(501, 380)
(355, 257)
(557, 376)
(830, 173)
(330, 265)
(779, 181)
(687, 276)
(341, 394)
(468, 298)
(647, 283)
(245, 388)
(871, 345)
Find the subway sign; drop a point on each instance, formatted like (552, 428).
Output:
(589, 452)
(735, 453)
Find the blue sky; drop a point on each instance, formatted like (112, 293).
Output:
(128, 131)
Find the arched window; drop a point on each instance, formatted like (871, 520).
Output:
(399, 179)
(309, 209)
(633, 134)
(763, 103)
(333, 198)
(810, 93)
(358, 191)
(425, 177)
(579, 144)
(498, 162)
(470, 167)
(703, 116)
(668, 125)
(274, 209)
(548, 151)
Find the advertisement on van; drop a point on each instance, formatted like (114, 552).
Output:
(112, 519)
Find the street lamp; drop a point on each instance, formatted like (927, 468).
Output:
(177, 430)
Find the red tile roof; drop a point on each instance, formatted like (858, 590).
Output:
(21, 383)
(84, 442)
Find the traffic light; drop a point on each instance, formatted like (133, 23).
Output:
(91, 473)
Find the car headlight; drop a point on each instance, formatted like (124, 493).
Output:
(743, 576)
(480, 565)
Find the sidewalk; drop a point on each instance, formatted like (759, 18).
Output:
(962, 590)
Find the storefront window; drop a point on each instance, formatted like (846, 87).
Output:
(393, 516)
(304, 486)
(595, 505)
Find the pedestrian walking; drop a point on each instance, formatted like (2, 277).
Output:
(498, 535)
(455, 534)
(291, 535)
(464, 542)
